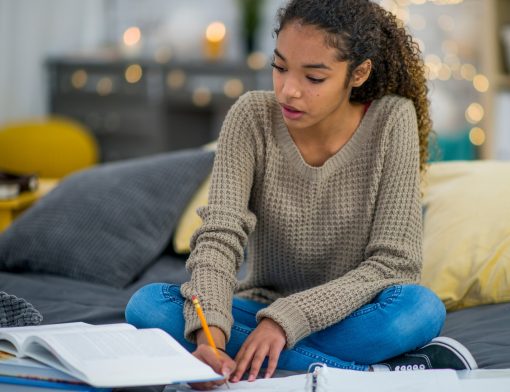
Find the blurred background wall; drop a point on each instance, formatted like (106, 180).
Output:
(155, 75)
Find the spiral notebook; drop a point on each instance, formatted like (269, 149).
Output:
(324, 379)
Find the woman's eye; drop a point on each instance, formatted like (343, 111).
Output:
(278, 68)
(315, 80)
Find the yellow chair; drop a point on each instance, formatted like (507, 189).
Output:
(51, 147)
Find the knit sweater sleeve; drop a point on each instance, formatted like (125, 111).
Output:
(217, 247)
(394, 251)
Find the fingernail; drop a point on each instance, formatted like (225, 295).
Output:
(251, 378)
(235, 379)
(267, 375)
(225, 372)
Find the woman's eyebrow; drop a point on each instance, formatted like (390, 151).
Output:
(315, 66)
(277, 53)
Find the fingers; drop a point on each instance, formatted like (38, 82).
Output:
(223, 365)
(256, 362)
(243, 359)
(267, 338)
(273, 362)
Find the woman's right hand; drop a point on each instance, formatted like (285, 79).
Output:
(223, 365)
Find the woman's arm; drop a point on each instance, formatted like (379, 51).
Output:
(218, 245)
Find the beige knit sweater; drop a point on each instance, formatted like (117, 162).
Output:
(322, 241)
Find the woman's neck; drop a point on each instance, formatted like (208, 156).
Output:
(318, 143)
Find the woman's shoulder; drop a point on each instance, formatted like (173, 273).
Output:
(255, 108)
(257, 100)
(393, 104)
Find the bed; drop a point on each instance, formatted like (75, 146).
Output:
(84, 249)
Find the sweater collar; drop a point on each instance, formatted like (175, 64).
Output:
(348, 151)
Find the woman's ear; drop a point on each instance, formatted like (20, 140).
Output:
(361, 73)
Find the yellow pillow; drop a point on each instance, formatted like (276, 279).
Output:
(467, 232)
(190, 221)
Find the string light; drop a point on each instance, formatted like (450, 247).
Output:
(79, 79)
(133, 73)
(256, 60)
(481, 83)
(445, 72)
(468, 71)
(233, 88)
(175, 79)
(104, 86)
(163, 55)
(202, 96)
(477, 136)
(474, 113)
(132, 36)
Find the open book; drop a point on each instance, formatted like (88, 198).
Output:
(112, 355)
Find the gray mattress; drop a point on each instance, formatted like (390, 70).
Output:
(485, 330)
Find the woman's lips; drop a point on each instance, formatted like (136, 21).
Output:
(291, 112)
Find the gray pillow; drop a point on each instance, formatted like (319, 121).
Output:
(108, 223)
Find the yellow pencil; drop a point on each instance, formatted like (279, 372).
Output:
(205, 327)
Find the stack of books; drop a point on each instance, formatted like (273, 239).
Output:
(84, 357)
(12, 184)
(25, 374)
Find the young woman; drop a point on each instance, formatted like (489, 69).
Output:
(320, 180)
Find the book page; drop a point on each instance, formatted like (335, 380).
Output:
(12, 338)
(39, 346)
(121, 357)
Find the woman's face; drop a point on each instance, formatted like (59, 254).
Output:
(308, 80)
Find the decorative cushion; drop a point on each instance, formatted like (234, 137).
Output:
(108, 223)
(467, 232)
(190, 221)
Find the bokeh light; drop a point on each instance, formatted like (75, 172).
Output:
(132, 36)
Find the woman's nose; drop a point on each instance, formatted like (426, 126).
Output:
(291, 89)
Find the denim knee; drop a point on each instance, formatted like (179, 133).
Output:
(146, 304)
(420, 318)
(400, 319)
(433, 309)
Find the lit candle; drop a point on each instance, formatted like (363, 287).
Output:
(131, 41)
(214, 40)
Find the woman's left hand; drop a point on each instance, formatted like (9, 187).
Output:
(267, 340)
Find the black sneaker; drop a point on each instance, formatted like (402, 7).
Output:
(440, 353)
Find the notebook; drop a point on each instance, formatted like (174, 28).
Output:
(335, 380)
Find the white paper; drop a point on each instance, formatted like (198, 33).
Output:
(485, 380)
(352, 381)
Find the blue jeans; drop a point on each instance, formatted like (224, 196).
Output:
(400, 319)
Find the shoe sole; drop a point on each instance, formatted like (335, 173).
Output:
(462, 352)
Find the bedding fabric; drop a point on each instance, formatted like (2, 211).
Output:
(16, 312)
(483, 329)
(106, 224)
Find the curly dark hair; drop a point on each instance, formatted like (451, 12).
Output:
(361, 30)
